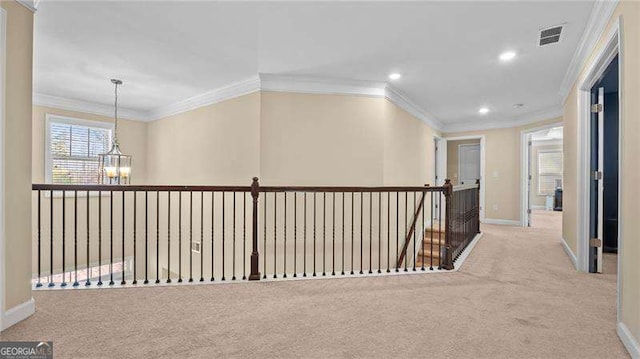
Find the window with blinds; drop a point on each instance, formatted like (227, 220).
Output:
(549, 172)
(74, 146)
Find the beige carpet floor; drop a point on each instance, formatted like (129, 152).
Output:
(516, 296)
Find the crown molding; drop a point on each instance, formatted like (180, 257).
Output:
(294, 84)
(598, 19)
(208, 98)
(333, 86)
(523, 120)
(87, 107)
(29, 4)
(321, 85)
(399, 99)
(237, 89)
(261, 82)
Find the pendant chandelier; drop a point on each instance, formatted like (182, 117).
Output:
(115, 167)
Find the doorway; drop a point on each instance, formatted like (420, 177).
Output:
(604, 166)
(463, 161)
(542, 172)
(450, 163)
(594, 73)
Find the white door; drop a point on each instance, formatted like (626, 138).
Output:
(600, 178)
(468, 163)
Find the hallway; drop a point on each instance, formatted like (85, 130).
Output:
(548, 221)
(517, 295)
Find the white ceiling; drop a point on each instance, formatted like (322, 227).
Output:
(447, 52)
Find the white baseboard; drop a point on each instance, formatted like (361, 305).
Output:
(628, 340)
(504, 222)
(570, 253)
(18, 313)
(457, 264)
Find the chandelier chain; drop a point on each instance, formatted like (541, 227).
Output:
(115, 130)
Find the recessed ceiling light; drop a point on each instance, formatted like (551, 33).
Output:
(507, 56)
(483, 110)
(394, 76)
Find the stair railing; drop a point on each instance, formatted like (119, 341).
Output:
(462, 219)
(410, 235)
(116, 235)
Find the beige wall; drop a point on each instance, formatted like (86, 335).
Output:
(452, 157)
(502, 169)
(630, 196)
(217, 144)
(409, 149)
(342, 140)
(535, 199)
(310, 139)
(132, 136)
(288, 138)
(17, 154)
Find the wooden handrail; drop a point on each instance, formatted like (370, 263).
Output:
(374, 189)
(203, 188)
(139, 188)
(412, 229)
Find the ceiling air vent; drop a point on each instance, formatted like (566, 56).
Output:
(550, 35)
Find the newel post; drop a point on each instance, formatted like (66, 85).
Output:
(447, 262)
(478, 206)
(255, 192)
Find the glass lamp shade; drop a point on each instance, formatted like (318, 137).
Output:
(115, 168)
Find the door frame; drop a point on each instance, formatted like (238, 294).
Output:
(482, 165)
(612, 47)
(440, 168)
(460, 146)
(525, 136)
(3, 44)
(440, 164)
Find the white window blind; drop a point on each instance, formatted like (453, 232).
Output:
(549, 171)
(74, 147)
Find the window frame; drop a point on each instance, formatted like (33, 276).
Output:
(66, 120)
(540, 175)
